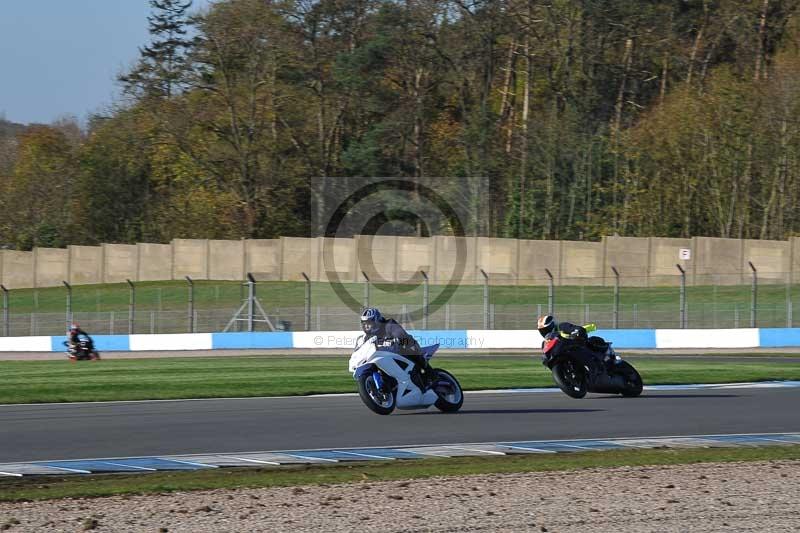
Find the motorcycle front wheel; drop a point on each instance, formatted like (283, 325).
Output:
(570, 378)
(633, 381)
(448, 389)
(374, 398)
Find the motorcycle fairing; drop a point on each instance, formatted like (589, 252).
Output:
(408, 395)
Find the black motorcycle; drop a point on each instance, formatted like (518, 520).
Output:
(83, 350)
(581, 366)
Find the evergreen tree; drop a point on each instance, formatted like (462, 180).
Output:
(162, 64)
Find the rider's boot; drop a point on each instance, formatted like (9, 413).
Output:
(426, 374)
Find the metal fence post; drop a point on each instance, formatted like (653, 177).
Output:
(191, 304)
(683, 296)
(366, 289)
(131, 307)
(753, 295)
(307, 302)
(485, 299)
(616, 297)
(789, 300)
(550, 293)
(425, 296)
(251, 300)
(69, 302)
(5, 311)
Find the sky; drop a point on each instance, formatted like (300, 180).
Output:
(61, 57)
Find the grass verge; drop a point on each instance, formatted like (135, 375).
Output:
(220, 377)
(41, 488)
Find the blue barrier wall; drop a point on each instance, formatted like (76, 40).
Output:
(629, 338)
(102, 343)
(447, 339)
(228, 341)
(778, 337)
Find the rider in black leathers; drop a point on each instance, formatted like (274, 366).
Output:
(73, 341)
(573, 335)
(390, 332)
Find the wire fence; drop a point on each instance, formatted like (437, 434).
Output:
(208, 306)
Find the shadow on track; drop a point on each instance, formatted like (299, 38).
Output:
(656, 396)
(508, 411)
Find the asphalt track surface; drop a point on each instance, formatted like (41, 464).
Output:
(124, 429)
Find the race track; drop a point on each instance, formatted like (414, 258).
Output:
(97, 430)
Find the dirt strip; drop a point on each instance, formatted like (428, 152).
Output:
(756, 496)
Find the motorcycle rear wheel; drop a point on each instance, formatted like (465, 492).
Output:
(448, 389)
(633, 381)
(570, 378)
(373, 397)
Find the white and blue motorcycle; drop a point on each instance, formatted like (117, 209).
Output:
(385, 381)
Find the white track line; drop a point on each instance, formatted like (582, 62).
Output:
(488, 452)
(656, 388)
(365, 455)
(129, 466)
(190, 463)
(528, 448)
(312, 458)
(258, 461)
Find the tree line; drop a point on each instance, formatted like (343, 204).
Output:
(586, 117)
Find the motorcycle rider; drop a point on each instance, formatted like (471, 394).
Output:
(74, 338)
(389, 331)
(577, 335)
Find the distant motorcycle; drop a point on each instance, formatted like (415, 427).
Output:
(83, 350)
(387, 380)
(578, 369)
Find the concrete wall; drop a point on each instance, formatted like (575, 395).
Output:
(337, 259)
(377, 257)
(772, 259)
(414, 254)
(536, 256)
(446, 266)
(17, 268)
(581, 263)
(263, 258)
(190, 258)
(631, 257)
(120, 262)
(154, 262)
(299, 255)
(664, 256)
(717, 261)
(226, 260)
(388, 259)
(498, 258)
(794, 265)
(51, 266)
(85, 264)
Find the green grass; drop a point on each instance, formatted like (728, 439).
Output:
(217, 294)
(516, 306)
(217, 377)
(39, 488)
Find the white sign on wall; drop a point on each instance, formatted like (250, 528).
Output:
(685, 254)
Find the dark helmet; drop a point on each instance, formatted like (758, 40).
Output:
(370, 320)
(546, 324)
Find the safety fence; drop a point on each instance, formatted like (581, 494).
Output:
(448, 339)
(192, 307)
